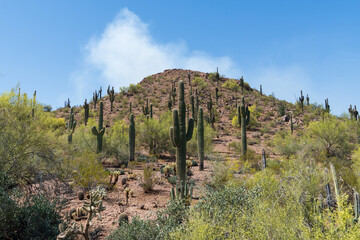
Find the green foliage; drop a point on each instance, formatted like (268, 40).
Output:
(28, 144)
(232, 85)
(153, 134)
(200, 83)
(117, 141)
(32, 217)
(149, 179)
(167, 220)
(209, 134)
(85, 169)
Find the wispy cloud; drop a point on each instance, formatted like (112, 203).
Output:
(126, 53)
(285, 82)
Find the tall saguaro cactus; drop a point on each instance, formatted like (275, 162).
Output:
(260, 89)
(71, 125)
(301, 99)
(86, 110)
(307, 100)
(263, 160)
(200, 136)
(147, 111)
(327, 106)
(132, 138)
(95, 98)
(179, 136)
(99, 132)
(111, 94)
(243, 120)
(241, 83)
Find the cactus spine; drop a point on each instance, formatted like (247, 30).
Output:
(99, 132)
(86, 109)
(132, 138)
(243, 120)
(111, 94)
(301, 99)
(179, 136)
(200, 136)
(71, 125)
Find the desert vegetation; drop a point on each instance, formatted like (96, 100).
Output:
(180, 155)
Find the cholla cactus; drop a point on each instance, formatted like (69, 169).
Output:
(92, 207)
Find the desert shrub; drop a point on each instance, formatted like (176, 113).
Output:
(232, 85)
(167, 220)
(153, 134)
(149, 179)
(212, 76)
(286, 144)
(200, 83)
(253, 122)
(85, 169)
(209, 134)
(336, 138)
(28, 144)
(118, 141)
(25, 217)
(281, 109)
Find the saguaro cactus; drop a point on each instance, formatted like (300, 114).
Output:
(95, 98)
(243, 120)
(132, 138)
(291, 125)
(99, 132)
(173, 94)
(179, 136)
(111, 94)
(263, 160)
(86, 110)
(216, 95)
(100, 92)
(301, 99)
(130, 107)
(71, 125)
(307, 99)
(241, 83)
(200, 138)
(327, 106)
(260, 89)
(169, 102)
(356, 206)
(147, 111)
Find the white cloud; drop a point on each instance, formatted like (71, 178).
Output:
(126, 53)
(285, 82)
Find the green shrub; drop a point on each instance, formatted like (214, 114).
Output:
(32, 217)
(232, 85)
(200, 83)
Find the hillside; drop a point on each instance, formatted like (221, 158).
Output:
(156, 89)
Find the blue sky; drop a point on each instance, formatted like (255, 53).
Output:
(70, 48)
